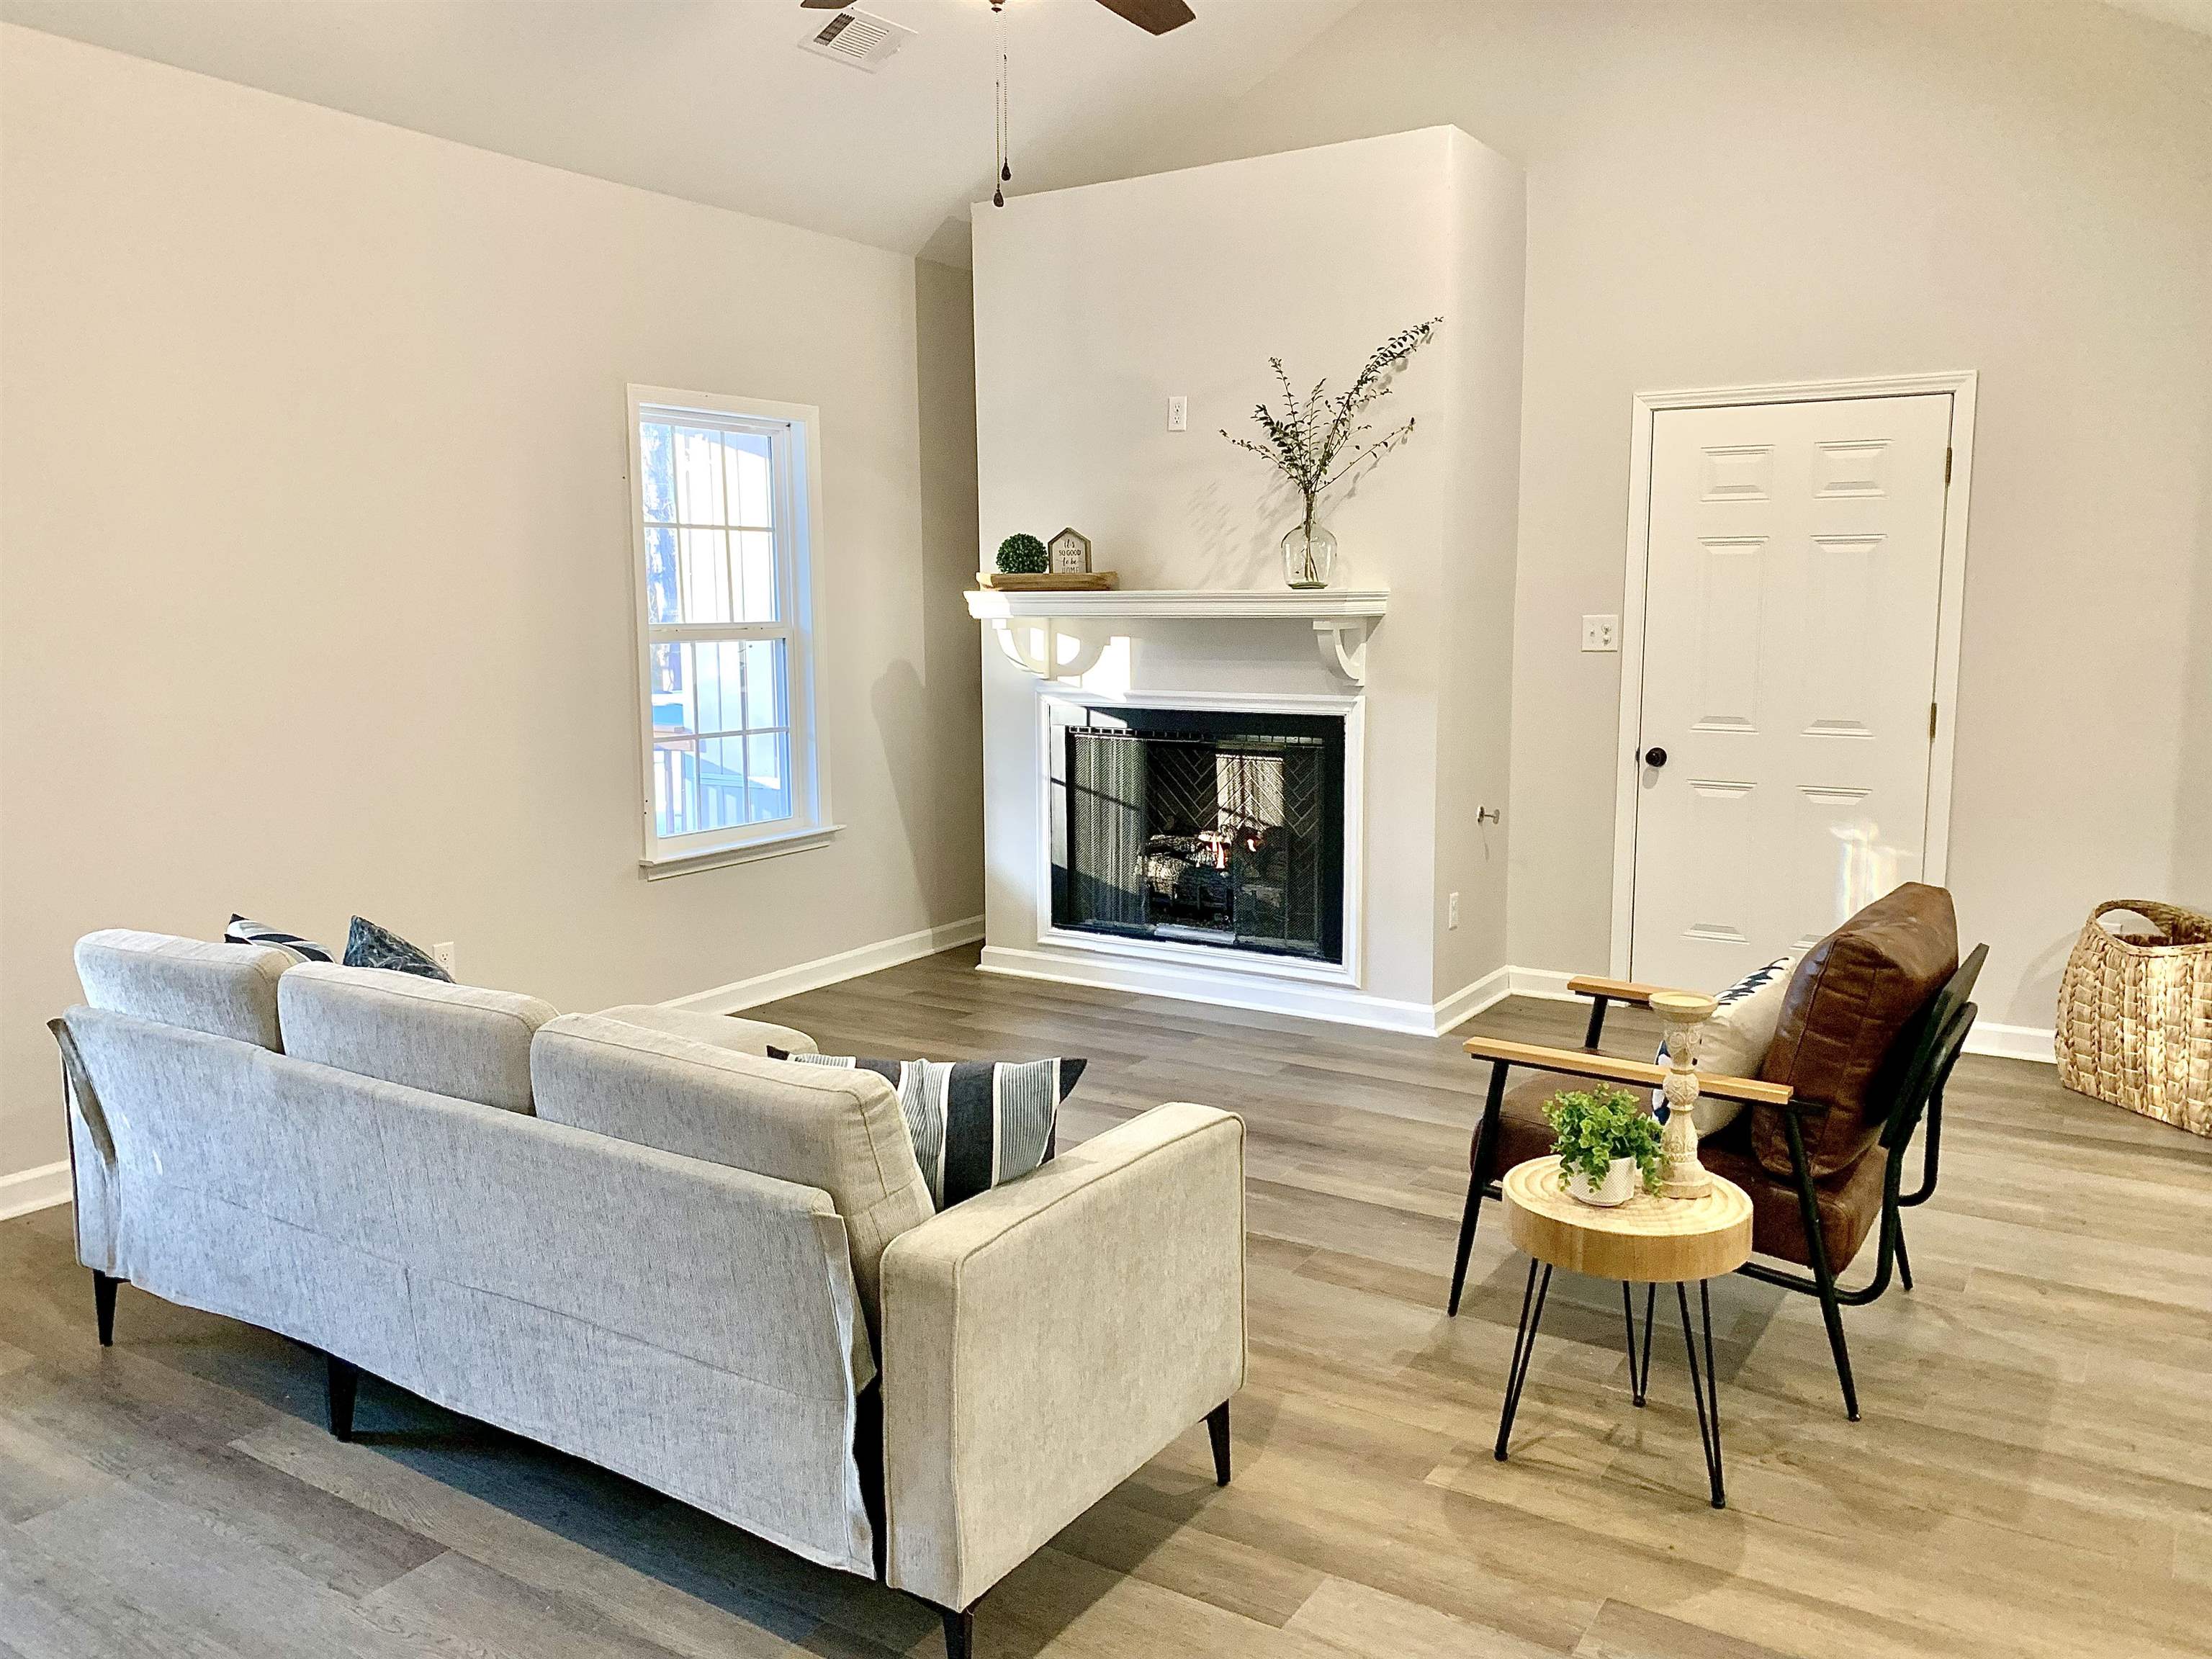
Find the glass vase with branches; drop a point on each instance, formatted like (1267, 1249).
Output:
(1321, 440)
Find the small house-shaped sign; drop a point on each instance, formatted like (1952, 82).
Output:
(1071, 554)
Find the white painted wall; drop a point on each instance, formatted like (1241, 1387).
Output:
(1094, 305)
(1731, 194)
(315, 595)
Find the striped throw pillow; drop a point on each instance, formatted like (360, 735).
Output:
(1734, 1041)
(242, 931)
(974, 1122)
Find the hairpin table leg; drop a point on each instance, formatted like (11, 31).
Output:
(1706, 1385)
(1524, 1345)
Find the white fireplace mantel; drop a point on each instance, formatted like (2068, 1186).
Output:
(1030, 625)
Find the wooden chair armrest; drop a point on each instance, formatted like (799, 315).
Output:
(1580, 1062)
(1613, 990)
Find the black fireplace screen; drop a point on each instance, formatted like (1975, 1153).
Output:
(1203, 828)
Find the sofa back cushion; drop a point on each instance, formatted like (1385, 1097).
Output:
(1852, 997)
(445, 1039)
(224, 990)
(747, 1037)
(839, 1131)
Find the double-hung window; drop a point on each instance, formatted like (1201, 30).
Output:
(723, 504)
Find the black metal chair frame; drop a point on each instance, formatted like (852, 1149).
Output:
(1914, 1075)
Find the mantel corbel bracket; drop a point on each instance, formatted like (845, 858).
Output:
(1343, 644)
(1033, 645)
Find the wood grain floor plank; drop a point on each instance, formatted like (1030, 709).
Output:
(51, 1608)
(2028, 1481)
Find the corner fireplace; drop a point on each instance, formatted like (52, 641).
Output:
(1201, 828)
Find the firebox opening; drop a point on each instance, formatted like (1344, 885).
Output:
(1202, 828)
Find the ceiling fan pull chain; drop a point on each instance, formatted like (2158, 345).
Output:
(1003, 134)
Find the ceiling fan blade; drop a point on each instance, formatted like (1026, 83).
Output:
(1153, 16)
(825, 5)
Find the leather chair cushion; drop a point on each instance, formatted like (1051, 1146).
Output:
(1849, 1200)
(1850, 1203)
(1852, 996)
(1522, 1131)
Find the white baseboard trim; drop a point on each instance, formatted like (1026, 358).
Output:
(1338, 1004)
(2013, 1041)
(1548, 983)
(34, 1189)
(828, 970)
(1464, 1004)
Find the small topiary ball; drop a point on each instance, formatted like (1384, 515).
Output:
(1024, 555)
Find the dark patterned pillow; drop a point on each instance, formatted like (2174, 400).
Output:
(368, 945)
(244, 932)
(975, 1123)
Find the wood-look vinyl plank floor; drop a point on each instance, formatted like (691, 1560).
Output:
(2029, 1480)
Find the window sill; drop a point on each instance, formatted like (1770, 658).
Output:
(744, 852)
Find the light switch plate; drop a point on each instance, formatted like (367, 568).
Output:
(1601, 633)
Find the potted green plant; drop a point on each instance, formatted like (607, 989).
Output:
(1607, 1143)
(1022, 554)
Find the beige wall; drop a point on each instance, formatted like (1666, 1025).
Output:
(316, 594)
(1727, 195)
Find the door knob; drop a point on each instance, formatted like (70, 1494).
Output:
(1655, 756)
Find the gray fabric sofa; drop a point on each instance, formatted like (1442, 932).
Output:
(631, 1236)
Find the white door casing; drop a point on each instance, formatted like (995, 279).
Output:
(1798, 575)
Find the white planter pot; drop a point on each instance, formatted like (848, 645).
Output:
(1619, 1186)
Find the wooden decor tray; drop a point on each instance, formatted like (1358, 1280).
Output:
(1045, 581)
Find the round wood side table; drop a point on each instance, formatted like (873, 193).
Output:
(1649, 1241)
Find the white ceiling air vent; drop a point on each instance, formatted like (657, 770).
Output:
(856, 37)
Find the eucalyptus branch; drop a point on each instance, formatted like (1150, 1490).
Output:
(1320, 441)
(1373, 453)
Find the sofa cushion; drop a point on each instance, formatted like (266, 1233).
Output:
(224, 990)
(461, 1041)
(746, 1036)
(975, 1124)
(1853, 996)
(839, 1131)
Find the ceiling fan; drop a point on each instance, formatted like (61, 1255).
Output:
(1153, 16)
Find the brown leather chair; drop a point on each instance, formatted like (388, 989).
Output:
(1873, 1019)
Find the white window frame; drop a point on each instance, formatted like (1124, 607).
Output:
(792, 431)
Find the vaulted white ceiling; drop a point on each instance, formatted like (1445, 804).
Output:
(712, 100)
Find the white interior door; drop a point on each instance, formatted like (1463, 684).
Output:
(1794, 579)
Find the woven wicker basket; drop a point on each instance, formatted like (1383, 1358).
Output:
(2135, 1014)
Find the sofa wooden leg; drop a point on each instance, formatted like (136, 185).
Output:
(342, 1382)
(959, 1633)
(1217, 1429)
(103, 1306)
